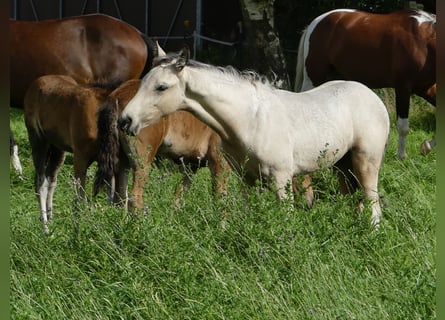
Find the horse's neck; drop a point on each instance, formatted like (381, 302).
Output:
(220, 103)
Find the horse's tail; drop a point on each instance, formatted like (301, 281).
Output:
(108, 144)
(300, 63)
(152, 52)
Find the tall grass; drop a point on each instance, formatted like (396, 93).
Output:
(267, 263)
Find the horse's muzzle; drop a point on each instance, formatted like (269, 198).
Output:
(124, 123)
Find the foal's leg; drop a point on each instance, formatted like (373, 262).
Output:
(218, 166)
(402, 110)
(146, 151)
(120, 198)
(14, 153)
(306, 188)
(39, 156)
(81, 165)
(348, 183)
(40, 151)
(367, 173)
(55, 161)
(186, 181)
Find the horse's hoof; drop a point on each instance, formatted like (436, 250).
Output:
(425, 148)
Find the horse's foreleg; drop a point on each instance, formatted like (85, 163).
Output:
(402, 110)
(139, 179)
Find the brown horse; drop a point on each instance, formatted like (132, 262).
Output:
(180, 137)
(395, 50)
(60, 116)
(93, 48)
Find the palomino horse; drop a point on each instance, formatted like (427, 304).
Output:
(272, 134)
(180, 137)
(396, 50)
(60, 115)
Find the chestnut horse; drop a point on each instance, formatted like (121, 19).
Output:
(60, 116)
(395, 50)
(92, 48)
(180, 137)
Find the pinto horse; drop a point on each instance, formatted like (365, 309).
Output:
(395, 50)
(180, 137)
(271, 134)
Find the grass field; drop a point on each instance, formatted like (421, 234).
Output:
(268, 263)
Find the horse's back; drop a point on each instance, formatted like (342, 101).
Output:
(344, 114)
(91, 49)
(62, 111)
(376, 49)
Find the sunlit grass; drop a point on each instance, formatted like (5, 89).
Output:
(267, 263)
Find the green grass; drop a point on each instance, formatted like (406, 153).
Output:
(268, 263)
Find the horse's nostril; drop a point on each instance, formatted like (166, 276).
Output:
(124, 123)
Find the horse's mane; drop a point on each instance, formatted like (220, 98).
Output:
(229, 72)
(426, 16)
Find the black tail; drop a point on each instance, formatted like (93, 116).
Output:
(152, 52)
(108, 142)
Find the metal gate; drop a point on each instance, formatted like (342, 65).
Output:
(173, 22)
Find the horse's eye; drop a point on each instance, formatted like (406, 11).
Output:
(161, 87)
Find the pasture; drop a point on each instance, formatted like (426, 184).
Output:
(268, 263)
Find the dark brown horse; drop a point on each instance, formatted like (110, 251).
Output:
(395, 50)
(180, 137)
(93, 48)
(60, 116)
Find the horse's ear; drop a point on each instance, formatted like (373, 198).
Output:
(161, 52)
(183, 58)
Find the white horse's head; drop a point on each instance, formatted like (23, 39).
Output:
(161, 93)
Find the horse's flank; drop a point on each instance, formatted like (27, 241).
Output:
(395, 50)
(91, 49)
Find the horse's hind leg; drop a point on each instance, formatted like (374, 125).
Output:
(55, 160)
(366, 169)
(40, 152)
(430, 96)
(14, 153)
(304, 185)
(348, 182)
